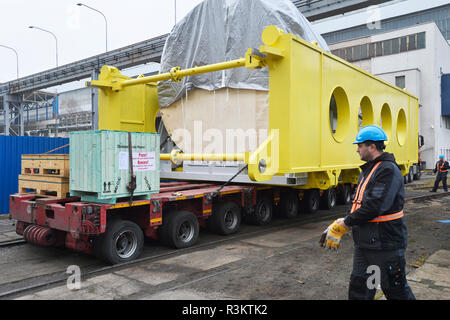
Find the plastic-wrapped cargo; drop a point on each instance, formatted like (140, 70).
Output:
(200, 111)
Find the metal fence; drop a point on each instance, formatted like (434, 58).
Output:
(11, 150)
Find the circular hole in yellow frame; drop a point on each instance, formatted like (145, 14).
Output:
(386, 121)
(339, 114)
(365, 115)
(402, 128)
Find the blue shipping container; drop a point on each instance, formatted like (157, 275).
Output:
(11, 150)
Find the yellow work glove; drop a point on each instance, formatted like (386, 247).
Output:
(331, 237)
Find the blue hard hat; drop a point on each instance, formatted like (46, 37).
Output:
(372, 133)
(441, 156)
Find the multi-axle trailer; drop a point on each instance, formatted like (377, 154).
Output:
(115, 233)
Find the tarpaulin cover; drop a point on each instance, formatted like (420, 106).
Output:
(222, 30)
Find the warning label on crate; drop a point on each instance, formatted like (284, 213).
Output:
(142, 161)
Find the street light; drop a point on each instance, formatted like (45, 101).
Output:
(104, 17)
(56, 39)
(17, 57)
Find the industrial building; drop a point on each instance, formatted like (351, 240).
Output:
(411, 51)
(415, 58)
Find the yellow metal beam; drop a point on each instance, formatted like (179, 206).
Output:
(177, 157)
(176, 74)
(303, 137)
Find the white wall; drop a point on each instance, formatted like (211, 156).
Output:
(422, 69)
(442, 66)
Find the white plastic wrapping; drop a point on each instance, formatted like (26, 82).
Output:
(222, 30)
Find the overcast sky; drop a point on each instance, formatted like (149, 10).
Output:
(81, 32)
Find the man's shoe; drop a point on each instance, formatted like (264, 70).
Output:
(433, 191)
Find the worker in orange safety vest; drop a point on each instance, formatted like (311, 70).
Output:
(377, 221)
(440, 170)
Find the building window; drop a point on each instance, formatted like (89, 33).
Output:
(387, 47)
(403, 46)
(379, 49)
(382, 48)
(372, 50)
(364, 54)
(395, 46)
(412, 42)
(446, 122)
(400, 82)
(357, 53)
(348, 54)
(421, 40)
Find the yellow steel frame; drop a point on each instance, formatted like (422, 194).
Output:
(303, 79)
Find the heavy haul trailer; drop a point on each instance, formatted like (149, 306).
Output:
(308, 152)
(115, 233)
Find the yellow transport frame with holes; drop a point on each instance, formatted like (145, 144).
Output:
(303, 79)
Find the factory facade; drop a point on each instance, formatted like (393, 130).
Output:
(411, 52)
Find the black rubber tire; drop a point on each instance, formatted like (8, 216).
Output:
(410, 176)
(344, 195)
(289, 205)
(127, 233)
(263, 212)
(311, 201)
(226, 218)
(180, 229)
(328, 199)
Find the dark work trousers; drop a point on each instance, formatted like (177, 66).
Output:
(392, 276)
(441, 176)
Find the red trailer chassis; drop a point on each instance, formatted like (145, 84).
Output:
(75, 224)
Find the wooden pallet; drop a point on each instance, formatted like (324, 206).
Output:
(56, 165)
(44, 186)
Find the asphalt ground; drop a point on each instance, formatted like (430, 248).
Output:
(274, 264)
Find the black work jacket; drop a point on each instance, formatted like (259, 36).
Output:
(444, 167)
(384, 195)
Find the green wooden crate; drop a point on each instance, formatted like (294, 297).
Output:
(99, 165)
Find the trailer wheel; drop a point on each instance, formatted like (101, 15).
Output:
(226, 218)
(328, 200)
(410, 175)
(345, 194)
(263, 212)
(123, 241)
(289, 205)
(180, 229)
(311, 201)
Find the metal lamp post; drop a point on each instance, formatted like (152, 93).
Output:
(17, 57)
(56, 39)
(106, 20)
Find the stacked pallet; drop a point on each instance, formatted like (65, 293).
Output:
(45, 175)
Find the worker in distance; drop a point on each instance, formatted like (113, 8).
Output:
(377, 221)
(441, 170)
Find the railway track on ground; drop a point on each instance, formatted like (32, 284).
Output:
(16, 288)
(12, 243)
